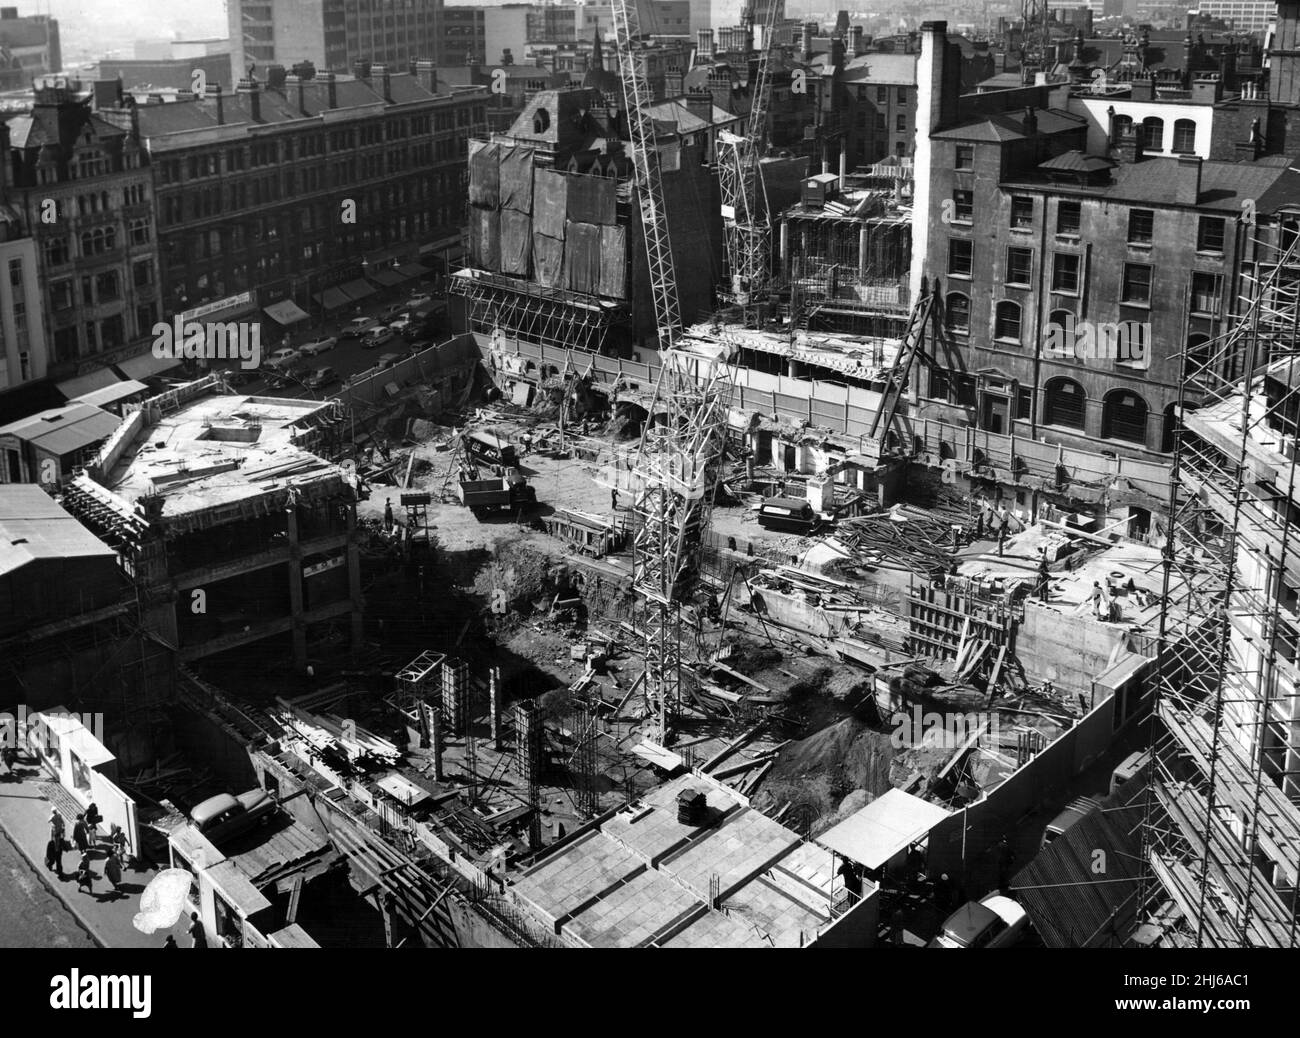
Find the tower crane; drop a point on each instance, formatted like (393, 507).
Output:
(683, 443)
(748, 237)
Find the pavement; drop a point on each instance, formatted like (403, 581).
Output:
(105, 915)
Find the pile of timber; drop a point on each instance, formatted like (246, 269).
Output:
(908, 537)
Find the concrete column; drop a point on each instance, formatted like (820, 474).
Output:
(455, 696)
(295, 591)
(864, 245)
(494, 704)
(785, 247)
(433, 715)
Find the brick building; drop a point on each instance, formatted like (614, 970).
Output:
(291, 187)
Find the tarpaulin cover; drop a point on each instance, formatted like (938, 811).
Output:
(484, 177)
(582, 257)
(483, 239)
(517, 178)
(592, 199)
(549, 209)
(613, 262)
(548, 260)
(516, 242)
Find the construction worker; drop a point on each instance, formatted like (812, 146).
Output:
(1044, 577)
(980, 514)
(613, 499)
(1098, 599)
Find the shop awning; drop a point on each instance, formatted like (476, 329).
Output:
(112, 394)
(357, 290)
(286, 311)
(387, 278)
(82, 384)
(333, 298)
(412, 270)
(145, 365)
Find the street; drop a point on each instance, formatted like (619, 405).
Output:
(31, 916)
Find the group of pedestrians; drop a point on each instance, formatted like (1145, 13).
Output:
(85, 842)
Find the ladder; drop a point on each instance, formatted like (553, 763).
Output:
(897, 379)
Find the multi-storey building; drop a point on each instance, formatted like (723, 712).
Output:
(290, 187)
(24, 354)
(463, 40)
(84, 193)
(29, 47)
(332, 34)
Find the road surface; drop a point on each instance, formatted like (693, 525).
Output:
(31, 916)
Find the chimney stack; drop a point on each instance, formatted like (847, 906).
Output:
(250, 88)
(331, 87)
(859, 41)
(275, 77)
(704, 43)
(1188, 189)
(361, 69)
(806, 43)
(380, 72)
(426, 73)
(296, 82)
(214, 92)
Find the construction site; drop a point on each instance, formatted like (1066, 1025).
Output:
(650, 610)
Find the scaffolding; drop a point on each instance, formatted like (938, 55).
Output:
(524, 310)
(1221, 832)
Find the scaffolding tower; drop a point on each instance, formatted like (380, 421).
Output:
(1221, 831)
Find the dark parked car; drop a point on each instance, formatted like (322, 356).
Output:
(224, 817)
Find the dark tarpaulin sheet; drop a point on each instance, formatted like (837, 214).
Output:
(483, 239)
(548, 260)
(549, 209)
(484, 177)
(517, 178)
(582, 257)
(613, 262)
(516, 242)
(592, 199)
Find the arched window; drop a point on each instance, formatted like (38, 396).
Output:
(1124, 417)
(1184, 135)
(1121, 127)
(1169, 432)
(1006, 322)
(957, 313)
(541, 121)
(1063, 403)
(1153, 134)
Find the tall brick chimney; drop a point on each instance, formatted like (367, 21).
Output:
(380, 72)
(331, 88)
(253, 91)
(426, 73)
(214, 92)
(1187, 191)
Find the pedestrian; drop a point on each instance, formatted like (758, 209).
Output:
(613, 499)
(117, 839)
(1097, 597)
(170, 942)
(1044, 577)
(9, 755)
(113, 870)
(85, 875)
(57, 825)
(79, 837)
(1002, 519)
(388, 513)
(196, 931)
(54, 855)
(979, 522)
(93, 818)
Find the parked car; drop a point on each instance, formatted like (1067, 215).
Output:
(322, 377)
(401, 325)
(393, 311)
(223, 816)
(388, 360)
(1079, 808)
(358, 328)
(419, 299)
(282, 357)
(1129, 768)
(992, 922)
(377, 338)
(318, 346)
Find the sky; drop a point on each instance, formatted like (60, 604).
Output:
(90, 28)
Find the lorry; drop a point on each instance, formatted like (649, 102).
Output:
(497, 493)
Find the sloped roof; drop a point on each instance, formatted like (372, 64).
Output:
(63, 430)
(1076, 161)
(881, 68)
(58, 124)
(1010, 126)
(33, 526)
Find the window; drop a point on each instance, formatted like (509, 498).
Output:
(1124, 417)
(1153, 134)
(1065, 272)
(141, 273)
(882, 95)
(939, 385)
(1141, 225)
(1184, 136)
(957, 313)
(106, 286)
(1022, 212)
(1136, 287)
(1122, 127)
(1209, 234)
(61, 294)
(1006, 323)
(960, 257)
(900, 147)
(1207, 291)
(56, 251)
(1025, 403)
(965, 157)
(1063, 403)
(902, 95)
(963, 206)
(900, 122)
(1020, 266)
(966, 390)
(1069, 217)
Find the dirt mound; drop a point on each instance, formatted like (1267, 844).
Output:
(816, 773)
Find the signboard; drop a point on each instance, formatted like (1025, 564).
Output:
(243, 299)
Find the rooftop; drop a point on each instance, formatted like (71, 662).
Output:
(63, 430)
(33, 526)
(218, 449)
(642, 879)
